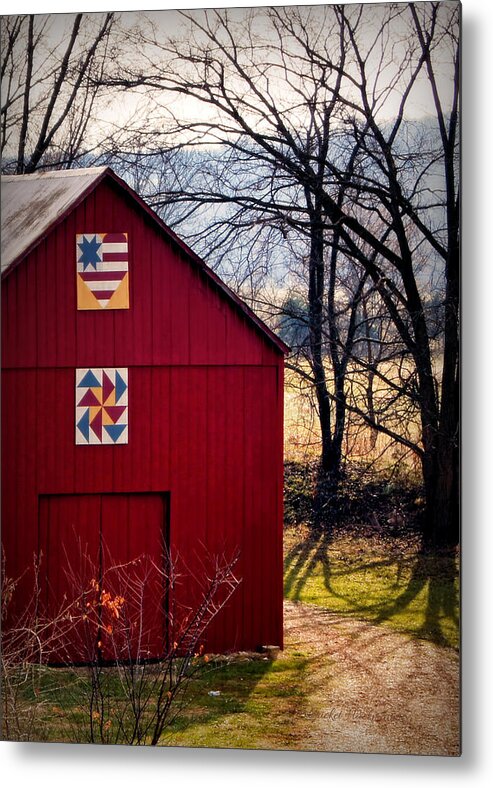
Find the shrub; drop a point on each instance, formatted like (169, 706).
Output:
(387, 501)
(118, 695)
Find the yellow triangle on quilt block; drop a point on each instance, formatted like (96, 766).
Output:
(85, 299)
(120, 298)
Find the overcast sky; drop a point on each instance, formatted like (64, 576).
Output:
(419, 104)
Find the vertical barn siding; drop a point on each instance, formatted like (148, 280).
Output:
(205, 408)
(278, 572)
(177, 316)
(122, 544)
(214, 455)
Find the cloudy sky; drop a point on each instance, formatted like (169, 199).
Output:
(169, 21)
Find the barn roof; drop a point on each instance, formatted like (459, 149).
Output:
(33, 205)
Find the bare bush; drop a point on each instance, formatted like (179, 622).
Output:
(29, 641)
(125, 646)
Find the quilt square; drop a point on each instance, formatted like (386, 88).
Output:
(101, 406)
(102, 271)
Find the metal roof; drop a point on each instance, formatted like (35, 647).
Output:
(32, 204)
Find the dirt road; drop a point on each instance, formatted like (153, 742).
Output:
(373, 689)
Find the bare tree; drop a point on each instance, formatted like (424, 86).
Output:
(51, 81)
(101, 635)
(321, 101)
(299, 127)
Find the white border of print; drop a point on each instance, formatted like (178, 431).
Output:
(78, 765)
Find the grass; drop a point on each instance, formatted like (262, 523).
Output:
(257, 706)
(258, 702)
(384, 581)
(50, 705)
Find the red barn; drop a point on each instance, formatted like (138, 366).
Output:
(142, 401)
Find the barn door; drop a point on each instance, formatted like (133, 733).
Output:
(107, 550)
(69, 562)
(133, 543)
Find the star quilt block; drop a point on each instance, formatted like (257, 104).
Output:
(102, 271)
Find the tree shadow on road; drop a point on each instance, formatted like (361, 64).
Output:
(411, 590)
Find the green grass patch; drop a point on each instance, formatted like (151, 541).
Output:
(256, 707)
(384, 581)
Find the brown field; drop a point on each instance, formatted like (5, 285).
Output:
(362, 443)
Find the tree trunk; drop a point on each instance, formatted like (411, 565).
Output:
(442, 476)
(442, 515)
(326, 485)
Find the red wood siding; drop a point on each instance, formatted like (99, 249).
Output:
(205, 409)
(118, 542)
(177, 315)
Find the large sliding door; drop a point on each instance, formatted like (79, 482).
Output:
(108, 552)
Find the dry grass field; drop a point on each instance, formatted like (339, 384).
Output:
(362, 443)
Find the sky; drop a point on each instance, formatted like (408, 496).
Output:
(132, 108)
(169, 21)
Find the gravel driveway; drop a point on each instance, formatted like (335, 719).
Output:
(373, 689)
